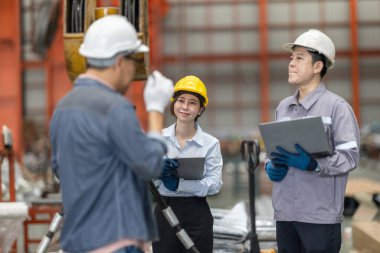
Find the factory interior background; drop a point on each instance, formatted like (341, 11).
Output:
(235, 47)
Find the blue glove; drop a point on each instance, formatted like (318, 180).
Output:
(169, 166)
(169, 174)
(276, 172)
(171, 182)
(301, 160)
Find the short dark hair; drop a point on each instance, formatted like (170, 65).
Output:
(319, 57)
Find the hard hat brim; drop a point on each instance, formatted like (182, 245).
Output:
(289, 46)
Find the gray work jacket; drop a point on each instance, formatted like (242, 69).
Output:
(104, 161)
(305, 196)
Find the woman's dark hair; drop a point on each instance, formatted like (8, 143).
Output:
(179, 93)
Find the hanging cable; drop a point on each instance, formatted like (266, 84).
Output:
(45, 26)
(131, 10)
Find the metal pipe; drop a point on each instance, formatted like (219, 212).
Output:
(53, 228)
(264, 62)
(355, 60)
(250, 151)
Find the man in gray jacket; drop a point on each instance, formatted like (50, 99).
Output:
(308, 191)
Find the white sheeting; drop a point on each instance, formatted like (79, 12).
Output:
(12, 215)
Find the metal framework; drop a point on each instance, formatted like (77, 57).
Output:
(10, 70)
(264, 57)
(57, 84)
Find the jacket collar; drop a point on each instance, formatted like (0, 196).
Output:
(311, 98)
(93, 81)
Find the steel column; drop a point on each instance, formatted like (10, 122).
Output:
(10, 71)
(355, 59)
(57, 81)
(264, 62)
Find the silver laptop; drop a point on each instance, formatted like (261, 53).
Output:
(191, 168)
(308, 132)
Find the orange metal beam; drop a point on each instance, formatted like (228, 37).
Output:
(264, 62)
(355, 59)
(156, 11)
(273, 26)
(57, 81)
(238, 117)
(175, 59)
(210, 47)
(10, 71)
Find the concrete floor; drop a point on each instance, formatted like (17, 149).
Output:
(235, 189)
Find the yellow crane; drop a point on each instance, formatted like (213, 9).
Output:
(79, 14)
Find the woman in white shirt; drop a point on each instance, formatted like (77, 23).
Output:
(186, 197)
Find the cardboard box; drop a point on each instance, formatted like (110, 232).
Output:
(357, 185)
(365, 236)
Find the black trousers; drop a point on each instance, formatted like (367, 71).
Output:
(299, 237)
(195, 218)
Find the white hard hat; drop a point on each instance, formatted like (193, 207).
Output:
(317, 41)
(109, 36)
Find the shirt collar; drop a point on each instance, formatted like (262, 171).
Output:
(311, 98)
(197, 138)
(97, 82)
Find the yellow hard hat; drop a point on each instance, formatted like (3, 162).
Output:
(191, 84)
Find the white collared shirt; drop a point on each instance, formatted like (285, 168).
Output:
(201, 145)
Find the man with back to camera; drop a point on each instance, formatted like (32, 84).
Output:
(99, 152)
(308, 192)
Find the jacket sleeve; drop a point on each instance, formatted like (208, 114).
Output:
(138, 151)
(53, 141)
(345, 138)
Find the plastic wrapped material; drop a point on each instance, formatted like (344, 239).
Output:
(25, 190)
(12, 215)
(232, 230)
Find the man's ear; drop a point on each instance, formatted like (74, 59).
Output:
(119, 61)
(318, 66)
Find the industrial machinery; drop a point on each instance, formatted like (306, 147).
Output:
(250, 151)
(79, 14)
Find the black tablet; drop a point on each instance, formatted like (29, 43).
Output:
(191, 168)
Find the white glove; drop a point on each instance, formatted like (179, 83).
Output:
(158, 91)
